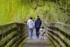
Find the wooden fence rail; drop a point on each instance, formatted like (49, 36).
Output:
(12, 34)
(59, 34)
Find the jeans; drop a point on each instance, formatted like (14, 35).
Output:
(30, 33)
(37, 32)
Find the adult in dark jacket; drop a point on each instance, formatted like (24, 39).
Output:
(38, 23)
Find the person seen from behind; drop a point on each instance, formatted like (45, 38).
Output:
(30, 24)
(42, 33)
(38, 23)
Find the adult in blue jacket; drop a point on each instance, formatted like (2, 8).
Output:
(38, 23)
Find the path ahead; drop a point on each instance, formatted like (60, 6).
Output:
(37, 42)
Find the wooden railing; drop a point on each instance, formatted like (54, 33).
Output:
(11, 35)
(59, 34)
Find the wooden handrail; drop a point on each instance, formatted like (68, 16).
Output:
(61, 36)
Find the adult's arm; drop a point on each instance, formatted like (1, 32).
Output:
(40, 22)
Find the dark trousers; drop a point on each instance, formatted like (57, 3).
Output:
(37, 32)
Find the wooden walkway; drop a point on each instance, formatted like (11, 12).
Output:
(37, 42)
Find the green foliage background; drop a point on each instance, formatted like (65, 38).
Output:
(20, 10)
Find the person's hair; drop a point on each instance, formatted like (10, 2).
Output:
(38, 16)
(31, 18)
(42, 27)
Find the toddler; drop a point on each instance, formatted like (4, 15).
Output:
(42, 32)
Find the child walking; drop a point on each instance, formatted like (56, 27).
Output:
(42, 33)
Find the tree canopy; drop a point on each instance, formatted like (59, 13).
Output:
(20, 10)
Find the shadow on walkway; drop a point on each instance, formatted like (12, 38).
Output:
(36, 42)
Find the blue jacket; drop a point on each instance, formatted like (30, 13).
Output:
(38, 23)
